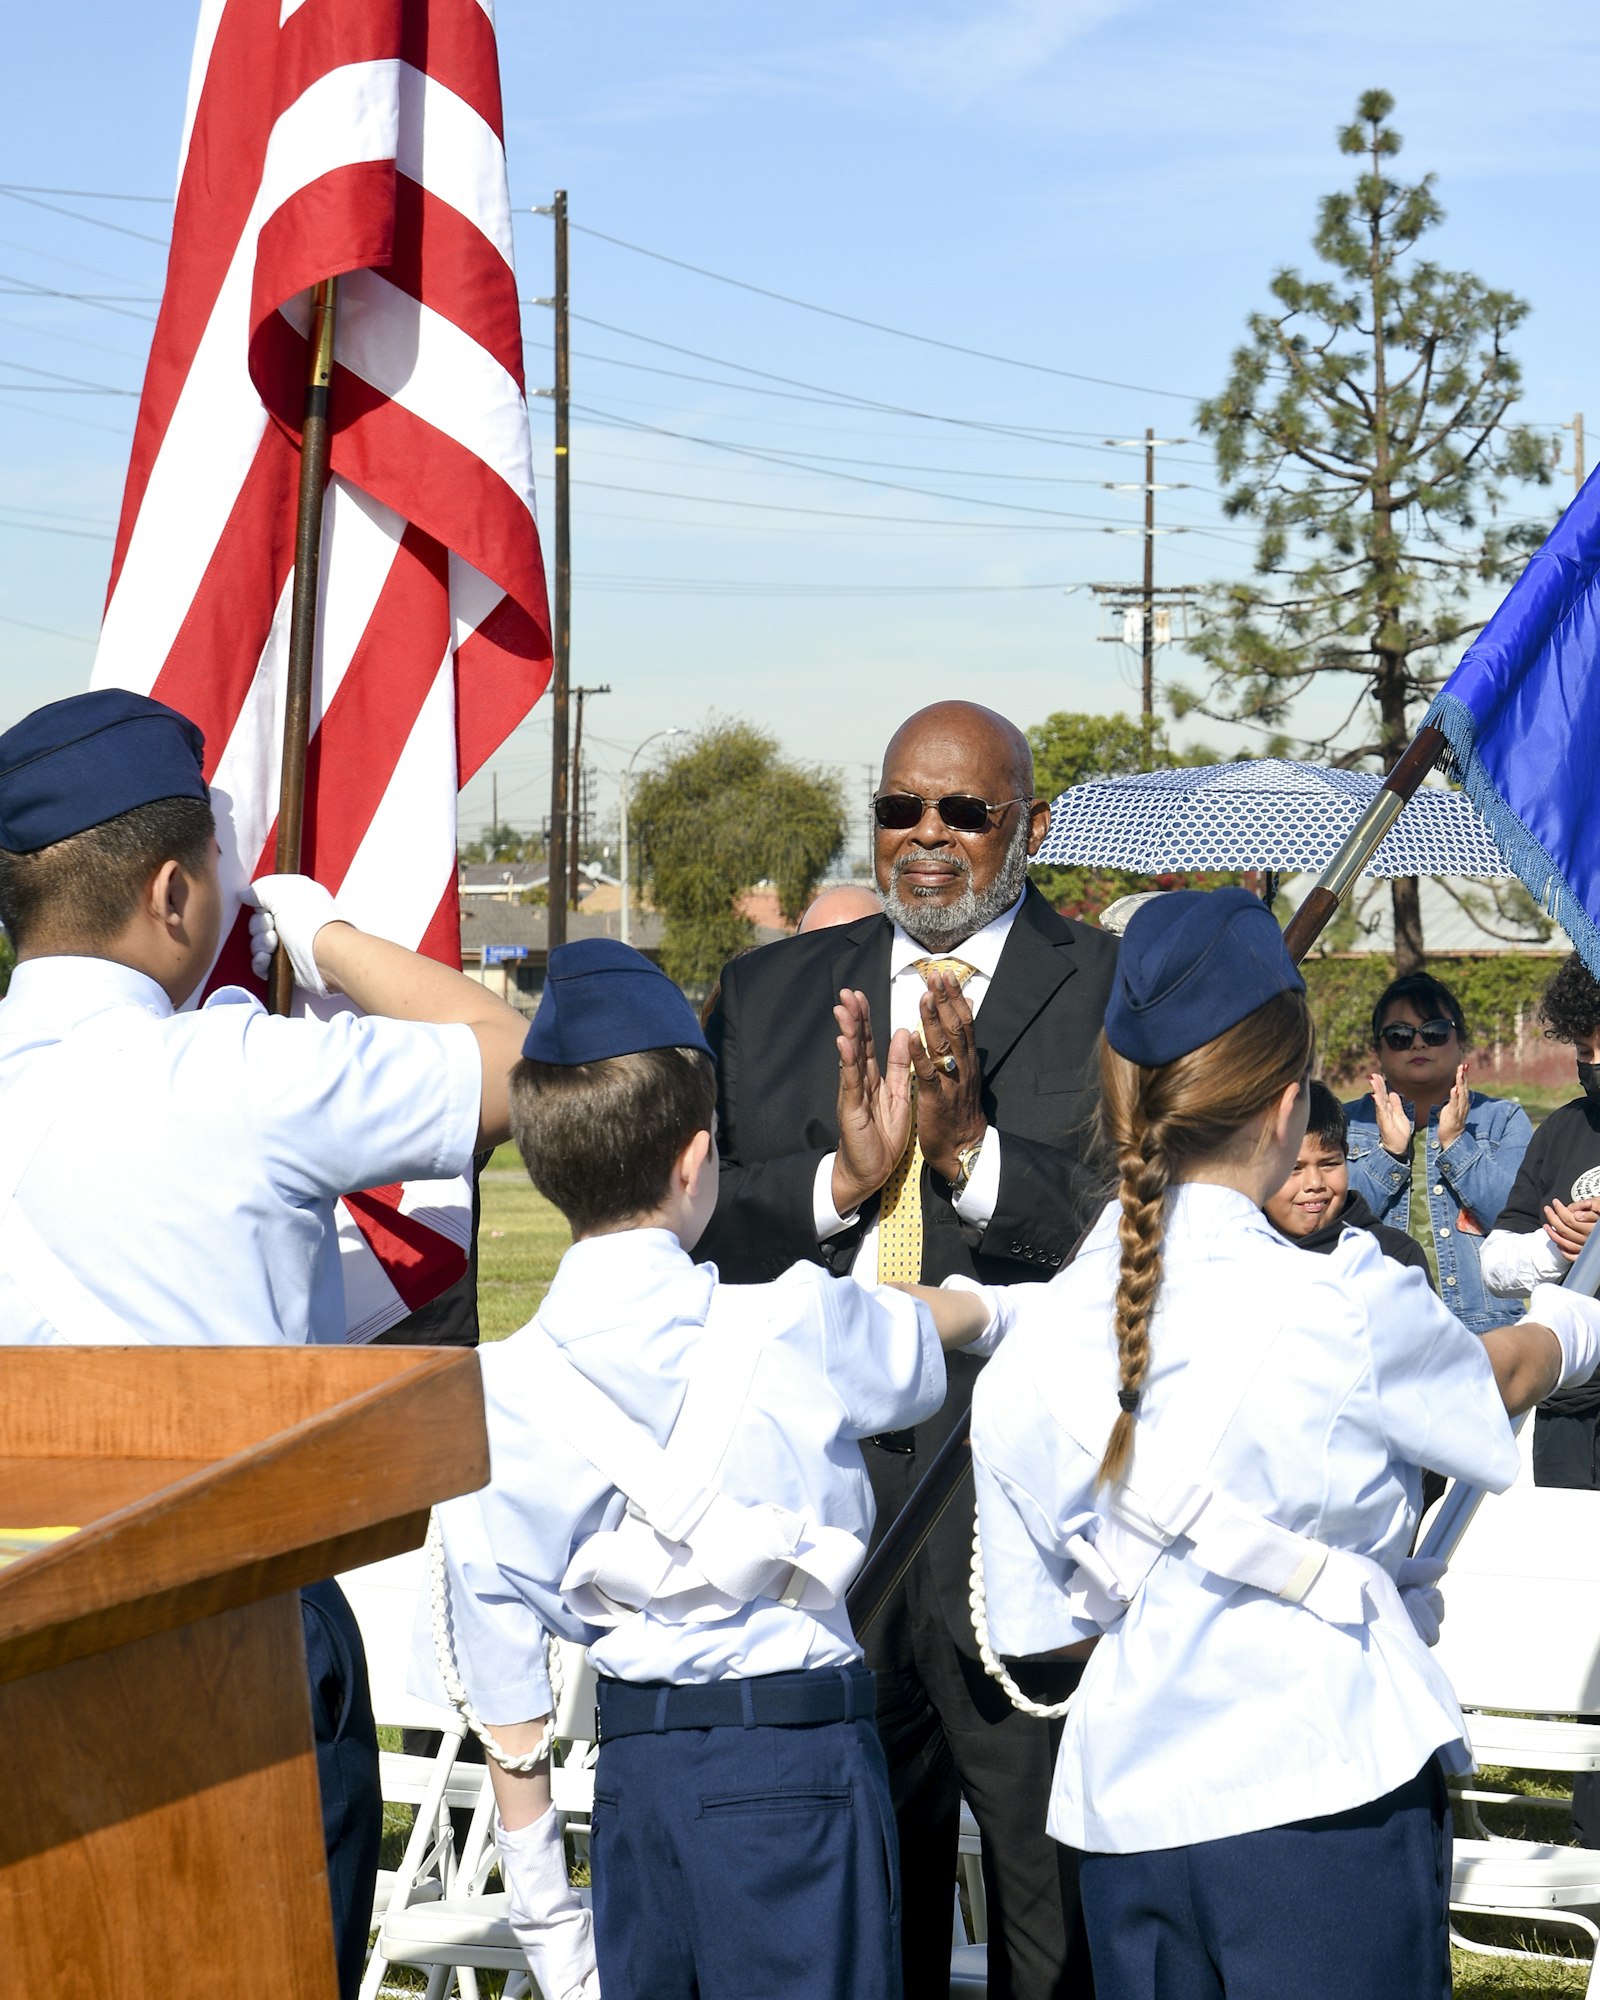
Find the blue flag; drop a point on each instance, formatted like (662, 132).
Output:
(1522, 715)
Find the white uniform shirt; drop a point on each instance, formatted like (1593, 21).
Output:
(976, 1202)
(188, 1178)
(839, 1363)
(1213, 1708)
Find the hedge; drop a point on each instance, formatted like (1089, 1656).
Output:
(1499, 994)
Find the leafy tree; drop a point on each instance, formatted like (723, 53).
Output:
(8, 960)
(726, 812)
(504, 843)
(1069, 748)
(1364, 428)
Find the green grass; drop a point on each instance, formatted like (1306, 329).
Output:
(521, 1239)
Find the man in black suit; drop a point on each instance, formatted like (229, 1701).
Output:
(1007, 1000)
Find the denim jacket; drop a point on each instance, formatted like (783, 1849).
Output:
(1468, 1183)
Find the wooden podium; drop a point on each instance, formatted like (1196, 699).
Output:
(160, 1832)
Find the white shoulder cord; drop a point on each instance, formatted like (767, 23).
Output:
(450, 1673)
(994, 1667)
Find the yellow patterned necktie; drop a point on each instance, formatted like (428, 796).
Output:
(900, 1216)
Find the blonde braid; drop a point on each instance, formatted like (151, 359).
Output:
(1144, 1176)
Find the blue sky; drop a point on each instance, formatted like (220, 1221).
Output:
(1102, 188)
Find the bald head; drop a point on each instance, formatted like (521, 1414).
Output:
(845, 904)
(941, 883)
(963, 734)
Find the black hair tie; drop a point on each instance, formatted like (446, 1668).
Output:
(1128, 1400)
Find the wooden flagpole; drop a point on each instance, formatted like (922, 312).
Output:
(303, 612)
(952, 1465)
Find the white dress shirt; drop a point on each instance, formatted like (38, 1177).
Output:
(186, 1171)
(1214, 1708)
(976, 1202)
(838, 1363)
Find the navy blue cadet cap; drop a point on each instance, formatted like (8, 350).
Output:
(604, 999)
(76, 763)
(1193, 963)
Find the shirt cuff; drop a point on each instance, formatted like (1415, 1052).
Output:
(1512, 1262)
(980, 1197)
(1000, 1313)
(825, 1218)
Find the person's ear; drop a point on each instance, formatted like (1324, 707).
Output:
(692, 1162)
(1038, 824)
(1283, 1120)
(167, 895)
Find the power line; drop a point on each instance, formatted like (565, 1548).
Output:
(61, 417)
(77, 215)
(50, 631)
(754, 587)
(826, 458)
(878, 326)
(838, 514)
(83, 194)
(79, 384)
(847, 399)
(111, 302)
(861, 479)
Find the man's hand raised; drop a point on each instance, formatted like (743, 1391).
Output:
(874, 1105)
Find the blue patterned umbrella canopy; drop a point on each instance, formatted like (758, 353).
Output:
(1264, 813)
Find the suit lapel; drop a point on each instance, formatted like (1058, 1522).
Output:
(1036, 962)
(860, 959)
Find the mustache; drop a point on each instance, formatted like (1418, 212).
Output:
(954, 859)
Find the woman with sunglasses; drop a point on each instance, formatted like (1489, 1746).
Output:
(1428, 1154)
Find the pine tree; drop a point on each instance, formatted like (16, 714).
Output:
(1364, 428)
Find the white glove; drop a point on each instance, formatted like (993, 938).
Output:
(1417, 1580)
(547, 1916)
(1575, 1322)
(291, 909)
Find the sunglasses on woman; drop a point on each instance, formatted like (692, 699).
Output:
(1400, 1034)
(896, 812)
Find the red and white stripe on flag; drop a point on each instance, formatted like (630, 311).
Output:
(358, 139)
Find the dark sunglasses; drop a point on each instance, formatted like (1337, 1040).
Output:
(898, 811)
(1400, 1034)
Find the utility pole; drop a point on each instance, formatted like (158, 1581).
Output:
(561, 593)
(494, 810)
(1147, 616)
(577, 769)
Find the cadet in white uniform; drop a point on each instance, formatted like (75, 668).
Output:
(1206, 1447)
(169, 1176)
(677, 1482)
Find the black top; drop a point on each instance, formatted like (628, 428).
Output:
(1355, 1214)
(1562, 1163)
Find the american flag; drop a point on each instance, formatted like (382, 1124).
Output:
(360, 139)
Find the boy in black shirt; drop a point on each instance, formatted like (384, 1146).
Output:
(1314, 1207)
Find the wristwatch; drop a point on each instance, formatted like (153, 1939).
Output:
(967, 1166)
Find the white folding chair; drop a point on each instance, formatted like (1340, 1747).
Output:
(1521, 1644)
(467, 1930)
(383, 1597)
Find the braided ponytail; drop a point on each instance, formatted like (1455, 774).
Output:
(1160, 1124)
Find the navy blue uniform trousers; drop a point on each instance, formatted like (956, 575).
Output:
(750, 1860)
(347, 1770)
(1351, 1906)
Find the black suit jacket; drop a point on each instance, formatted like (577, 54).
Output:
(778, 1078)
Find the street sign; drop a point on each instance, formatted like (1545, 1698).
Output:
(503, 954)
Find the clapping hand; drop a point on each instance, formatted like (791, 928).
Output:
(1394, 1127)
(1453, 1112)
(874, 1105)
(1568, 1225)
(949, 1077)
